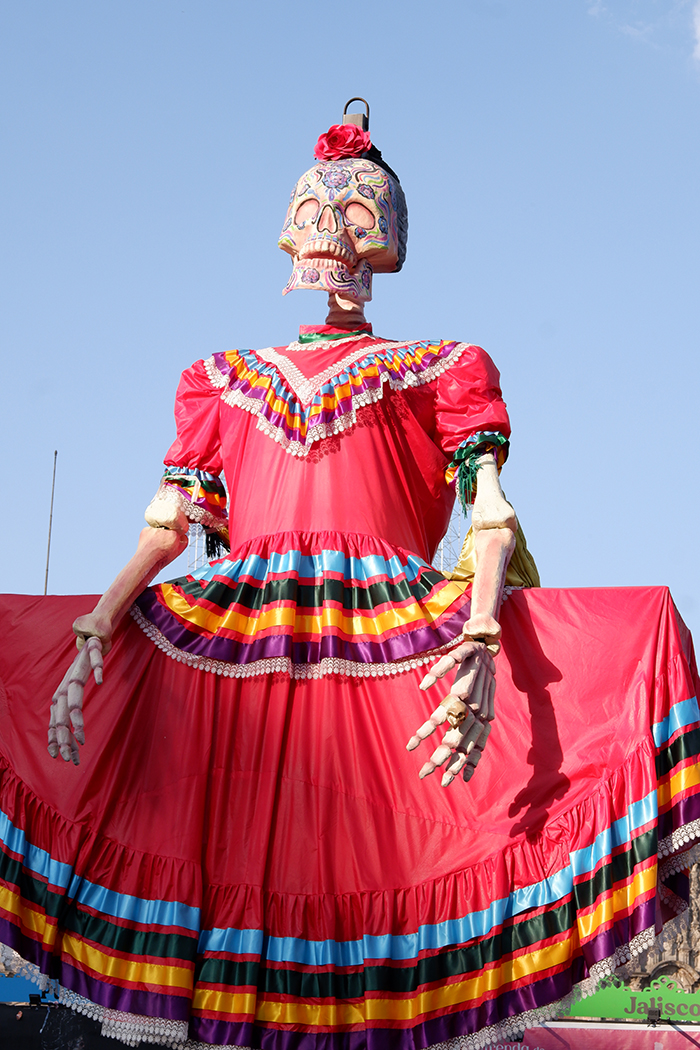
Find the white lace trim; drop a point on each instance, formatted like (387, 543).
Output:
(318, 343)
(283, 664)
(14, 964)
(237, 399)
(132, 1029)
(192, 1045)
(199, 515)
(677, 839)
(304, 388)
(675, 864)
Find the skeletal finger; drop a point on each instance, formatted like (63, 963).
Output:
(53, 736)
(476, 753)
(464, 683)
(444, 664)
(63, 685)
(61, 692)
(438, 758)
(490, 706)
(453, 738)
(63, 738)
(485, 734)
(65, 703)
(74, 754)
(442, 752)
(75, 704)
(487, 690)
(74, 694)
(76, 720)
(476, 698)
(454, 768)
(80, 668)
(440, 755)
(464, 649)
(472, 735)
(94, 648)
(438, 717)
(470, 767)
(448, 662)
(68, 746)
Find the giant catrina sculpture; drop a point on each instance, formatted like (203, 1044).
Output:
(247, 855)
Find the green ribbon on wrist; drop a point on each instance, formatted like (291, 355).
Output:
(465, 459)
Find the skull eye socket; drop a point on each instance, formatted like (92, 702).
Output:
(306, 212)
(357, 215)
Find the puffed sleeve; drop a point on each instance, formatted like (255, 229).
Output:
(193, 464)
(470, 417)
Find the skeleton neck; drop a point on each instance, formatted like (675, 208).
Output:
(344, 313)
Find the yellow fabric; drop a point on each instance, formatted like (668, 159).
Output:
(521, 571)
(382, 1008)
(688, 777)
(129, 970)
(248, 623)
(620, 902)
(31, 918)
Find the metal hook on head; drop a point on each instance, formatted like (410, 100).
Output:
(360, 119)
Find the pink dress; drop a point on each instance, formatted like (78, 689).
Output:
(245, 856)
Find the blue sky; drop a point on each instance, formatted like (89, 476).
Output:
(550, 154)
(18, 990)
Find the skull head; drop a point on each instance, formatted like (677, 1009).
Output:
(341, 227)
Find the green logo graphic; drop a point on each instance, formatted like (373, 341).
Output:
(615, 1000)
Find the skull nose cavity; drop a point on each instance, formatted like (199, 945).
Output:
(327, 219)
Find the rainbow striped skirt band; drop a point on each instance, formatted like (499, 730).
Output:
(308, 605)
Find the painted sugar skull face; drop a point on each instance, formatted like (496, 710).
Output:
(341, 226)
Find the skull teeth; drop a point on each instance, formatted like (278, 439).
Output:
(326, 263)
(318, 248)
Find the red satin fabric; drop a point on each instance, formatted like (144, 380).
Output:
(305, 787)
(399, 447)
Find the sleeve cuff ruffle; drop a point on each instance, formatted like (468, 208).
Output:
(463, 467)
(200, 495)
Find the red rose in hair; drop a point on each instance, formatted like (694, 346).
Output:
(342, 140)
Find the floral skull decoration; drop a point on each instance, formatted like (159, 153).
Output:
(341, 226)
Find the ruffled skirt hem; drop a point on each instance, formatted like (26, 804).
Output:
(255, 863)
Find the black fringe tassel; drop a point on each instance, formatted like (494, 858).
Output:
(216, 546)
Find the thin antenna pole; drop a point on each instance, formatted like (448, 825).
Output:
(48, 547)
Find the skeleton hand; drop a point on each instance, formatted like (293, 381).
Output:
(67, 702)
(157, 548)
(468, 709)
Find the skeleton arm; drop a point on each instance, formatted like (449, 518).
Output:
(468, 707)
(495, 524)
(159, 544)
